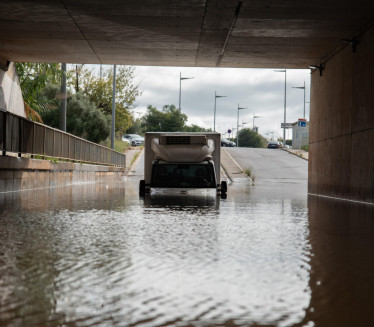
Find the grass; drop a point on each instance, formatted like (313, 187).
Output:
(249, 174)
(119, 145)
(305, 148)
(51, 159)
(135, 157)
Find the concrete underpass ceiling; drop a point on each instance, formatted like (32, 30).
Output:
(203, 33)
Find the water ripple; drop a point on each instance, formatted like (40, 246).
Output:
(111, 260)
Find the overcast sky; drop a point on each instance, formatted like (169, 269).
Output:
(259, 90)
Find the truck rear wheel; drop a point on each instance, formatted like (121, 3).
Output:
(142, 187)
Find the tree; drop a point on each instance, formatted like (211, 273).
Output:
(77, 72)
(100, 91)
(152, 120)
(136, 127)
(288, 142)
(84, 119)
(249, 138)
(33, 77)
(170, 119)
(196, 128)
(174, 119)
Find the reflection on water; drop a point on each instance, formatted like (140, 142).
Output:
(100, 256)
(198, 203)
(342, 283)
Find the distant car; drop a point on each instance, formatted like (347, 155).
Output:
(225, 142)
(133, 139)
(273, 145)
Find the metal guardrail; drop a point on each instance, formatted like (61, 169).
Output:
(23, 136)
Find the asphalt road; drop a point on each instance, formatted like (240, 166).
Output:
(276, 172)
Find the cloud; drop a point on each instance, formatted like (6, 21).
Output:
(259, 90)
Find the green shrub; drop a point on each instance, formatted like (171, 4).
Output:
(305, 148)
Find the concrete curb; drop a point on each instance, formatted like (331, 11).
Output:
(226, 174)
(295, 154)
(235, 164)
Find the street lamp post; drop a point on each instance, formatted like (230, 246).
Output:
(285, 101)
(302, 88)
(113, 108)
(237, 126)
(254, 117)
(215, 105)
(232, 131)
(63, 99)
(180, 87)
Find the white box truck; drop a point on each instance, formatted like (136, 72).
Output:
(182, 161)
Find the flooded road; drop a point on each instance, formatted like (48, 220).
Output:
(98, 255)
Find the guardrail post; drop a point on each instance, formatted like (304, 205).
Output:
(33, 140)
(54, 145)
(45, 128)
(68, 147)
(20, 125)
(4, 134)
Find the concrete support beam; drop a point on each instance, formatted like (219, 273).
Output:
(10, 91)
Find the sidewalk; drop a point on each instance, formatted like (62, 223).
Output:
(232, 168)
(300, 153)
(130, 155)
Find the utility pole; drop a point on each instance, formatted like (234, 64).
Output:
(237, 126)
(113, 107)
(63, 99)
(285, 102)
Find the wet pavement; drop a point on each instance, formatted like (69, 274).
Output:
(98, 255)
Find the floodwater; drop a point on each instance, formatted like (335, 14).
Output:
(97, 255)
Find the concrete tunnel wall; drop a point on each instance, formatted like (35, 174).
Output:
(341, 154)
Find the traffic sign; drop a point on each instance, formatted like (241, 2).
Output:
(301, 122)
(286, 125)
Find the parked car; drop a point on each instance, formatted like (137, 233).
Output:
(226, 142)
(273, 145)
(133, 139)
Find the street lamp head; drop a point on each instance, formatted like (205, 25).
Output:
(239, 108)
(280, 70)
(221, 96)
(182, 78)
(299, 87)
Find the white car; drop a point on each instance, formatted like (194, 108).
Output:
(133, 139)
